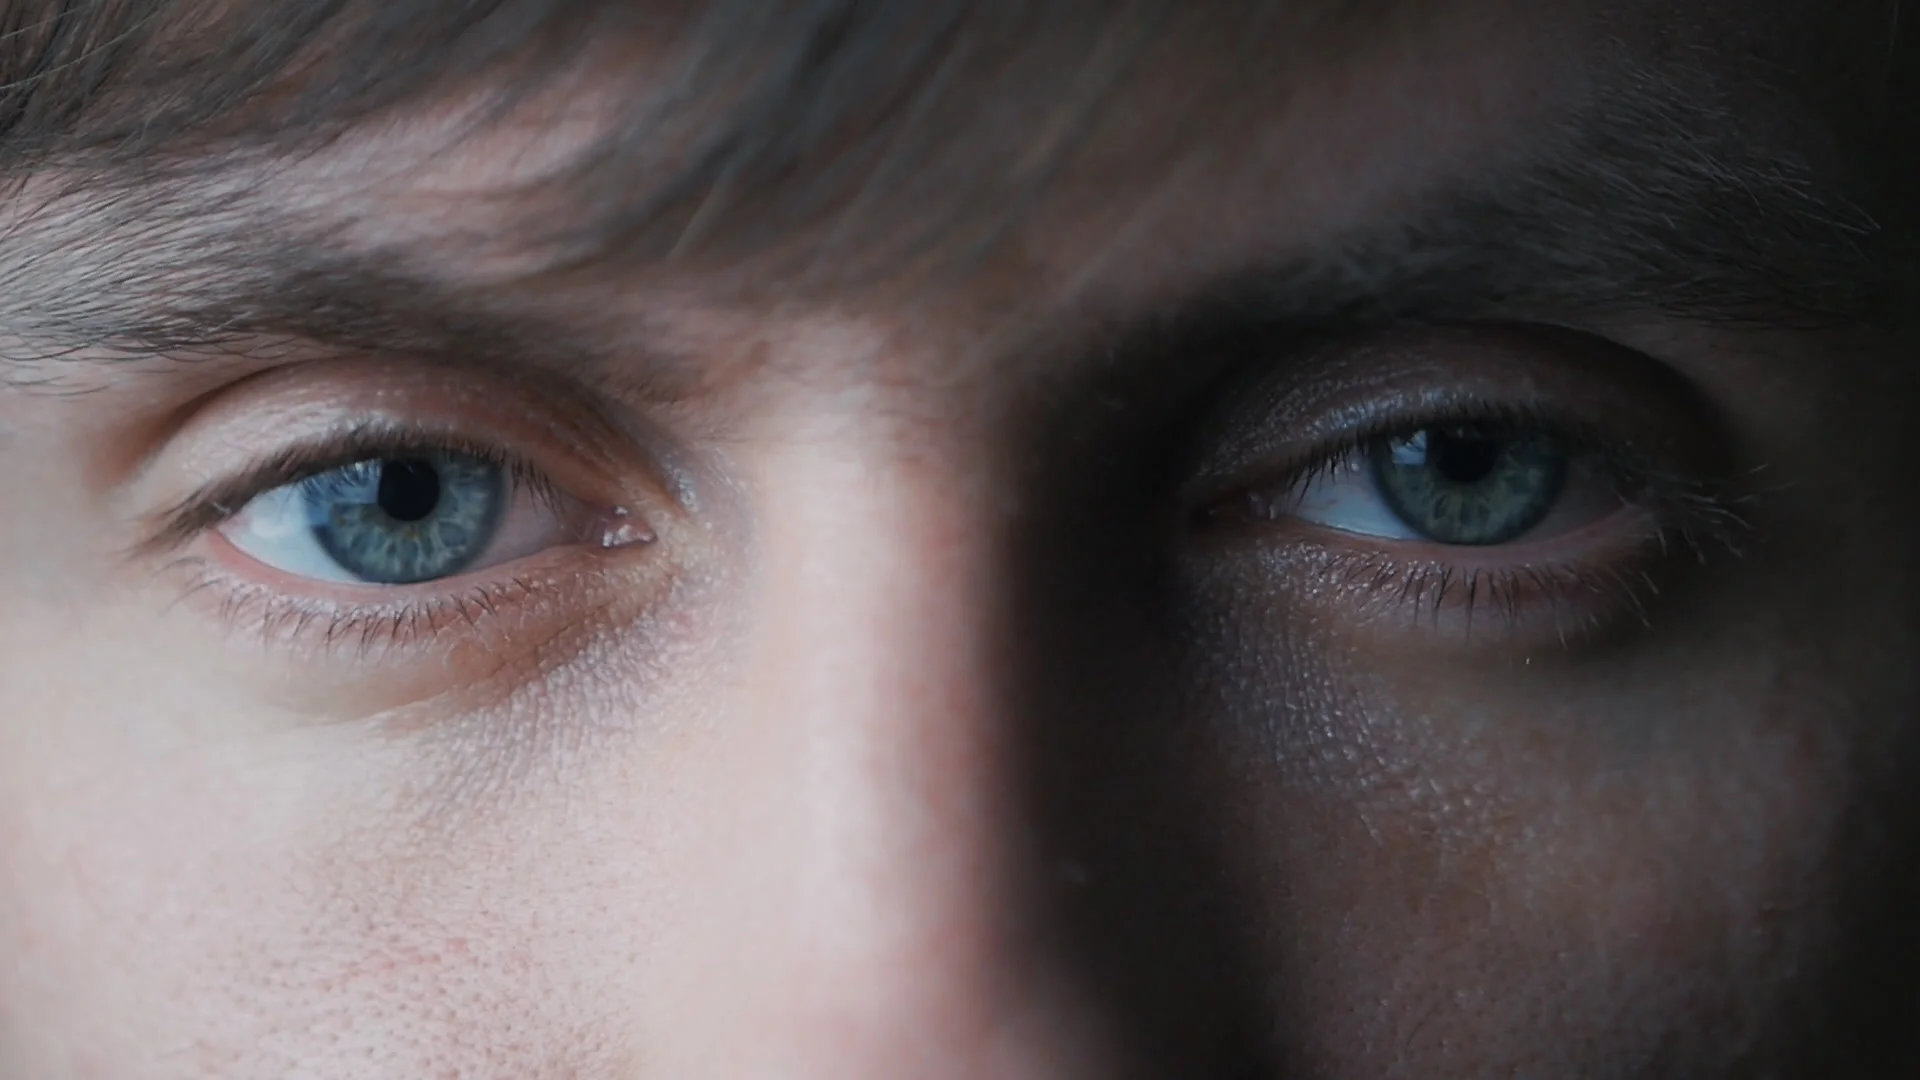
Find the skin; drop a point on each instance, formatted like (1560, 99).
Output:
(936, 731)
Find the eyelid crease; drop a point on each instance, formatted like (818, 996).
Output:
(1306, 388)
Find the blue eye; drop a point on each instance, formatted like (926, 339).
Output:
(400, 520)
(405, 520)
(1469, 484)
(1462, 485)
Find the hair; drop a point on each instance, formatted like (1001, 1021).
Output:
(776, 112)
(732, 120)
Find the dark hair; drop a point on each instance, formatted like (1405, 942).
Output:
(746, 92)
(937, 120)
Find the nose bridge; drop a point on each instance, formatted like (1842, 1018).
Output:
(875, 655)
(892, 917)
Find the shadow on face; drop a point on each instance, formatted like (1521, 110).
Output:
(939, 540)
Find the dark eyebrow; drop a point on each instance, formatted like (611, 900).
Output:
(1646, 208)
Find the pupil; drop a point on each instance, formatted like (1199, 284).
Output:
(409, 490)
(1463, 457)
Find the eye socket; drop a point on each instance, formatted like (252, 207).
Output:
(1460, 484)
(1459, 522)
(1464, 487)
(359, 517)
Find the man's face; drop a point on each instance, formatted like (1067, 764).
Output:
(1283, 541)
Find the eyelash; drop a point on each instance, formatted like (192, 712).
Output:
(367, 628)
(219, 502)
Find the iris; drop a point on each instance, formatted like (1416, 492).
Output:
(401, 521)
(1470, 484)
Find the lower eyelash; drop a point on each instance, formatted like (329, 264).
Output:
(1505, 594)
(1565, 601)
(1705, 517)
(367, 629)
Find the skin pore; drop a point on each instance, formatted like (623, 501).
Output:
(944, 610)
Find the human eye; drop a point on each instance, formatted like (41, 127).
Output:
(412, 514)
(396, 513)
(1463, 482)
(1485, 483)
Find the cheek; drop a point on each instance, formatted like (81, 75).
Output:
(280, 906)
(1468, 873)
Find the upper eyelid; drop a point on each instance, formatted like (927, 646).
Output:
(1573, 434)
(217, 502)
(314, 415)
(1306, 464)
(1591, 390)
(1703, 509)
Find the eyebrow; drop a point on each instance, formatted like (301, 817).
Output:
(1645, 209)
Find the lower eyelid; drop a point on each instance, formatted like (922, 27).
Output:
(1626, 528)
(496, 618)
(1574, 586)
(340, 655)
